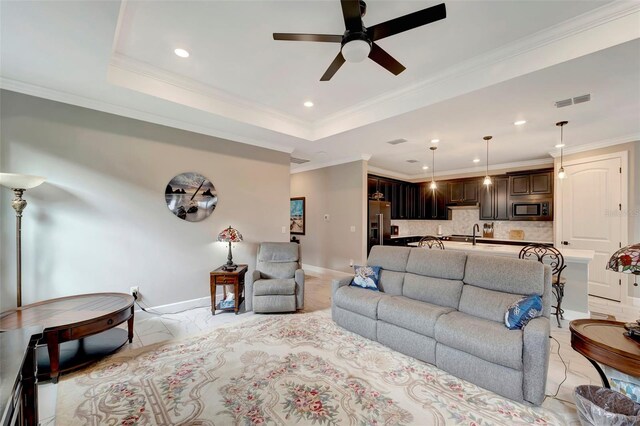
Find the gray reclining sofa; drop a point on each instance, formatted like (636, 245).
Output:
(447, 308)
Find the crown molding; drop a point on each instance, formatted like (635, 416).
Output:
(139, 76)
(111, 108)
(478, 169)
(596, 145)
(314, 166)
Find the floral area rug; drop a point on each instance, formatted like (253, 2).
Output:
(279, 370)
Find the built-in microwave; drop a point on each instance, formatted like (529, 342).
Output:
(532, 210)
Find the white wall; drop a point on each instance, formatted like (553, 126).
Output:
(100, 222)
(340, 192)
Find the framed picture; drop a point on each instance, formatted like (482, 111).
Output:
(297, 212)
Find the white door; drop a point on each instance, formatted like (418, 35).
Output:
(591, 219)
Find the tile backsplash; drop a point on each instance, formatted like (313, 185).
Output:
(462, 222)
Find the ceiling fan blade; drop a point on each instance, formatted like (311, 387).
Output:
(333, 68)
(407, 22)
(352, 15)
(327, 38)
(385, 60)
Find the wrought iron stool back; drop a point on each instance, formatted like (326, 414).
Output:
(549, 256)
(430, 241)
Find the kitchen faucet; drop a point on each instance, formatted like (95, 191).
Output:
(475, 227)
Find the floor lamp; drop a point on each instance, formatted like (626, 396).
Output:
(19, 184)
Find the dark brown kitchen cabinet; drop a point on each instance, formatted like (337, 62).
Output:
(494, 199)
(541, 183)
(531, 183)
(462, 192)
(435, 201)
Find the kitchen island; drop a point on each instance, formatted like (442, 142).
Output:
(576, 290)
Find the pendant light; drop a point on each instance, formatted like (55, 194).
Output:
(561, 173)
(433, 185)
(487, 178)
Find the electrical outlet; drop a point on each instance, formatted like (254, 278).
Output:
(352, 229)
(284, 229)
(135, 292)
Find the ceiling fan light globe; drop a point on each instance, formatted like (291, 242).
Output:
(356, 50)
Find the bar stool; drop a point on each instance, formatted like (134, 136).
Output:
(552, 257)
(429, 241)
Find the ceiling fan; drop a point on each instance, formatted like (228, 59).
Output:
(358, 41)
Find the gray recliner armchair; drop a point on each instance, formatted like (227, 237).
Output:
(277, 284)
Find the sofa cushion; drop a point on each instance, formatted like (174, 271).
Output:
(488, 340)
(274, 286)
(358, 300)
(487, 304)
(432, 290)
(419, 317)
(505, 274)
(277, 269)
(279, 252)
(389, 258)
(391, 282)
(437, 263)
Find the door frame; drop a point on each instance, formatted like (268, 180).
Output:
(624, 195)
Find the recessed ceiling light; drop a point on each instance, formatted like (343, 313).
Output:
(425, 167)
(520, 122)
(308, 104)
(181, 52)
(560, 145)
(435, 140)
(476, 160)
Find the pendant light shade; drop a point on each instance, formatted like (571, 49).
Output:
(433, 184)
(561, 173)
(487, 179)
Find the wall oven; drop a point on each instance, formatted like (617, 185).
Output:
(532, 209)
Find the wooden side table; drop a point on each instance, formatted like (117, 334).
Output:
(602, 341)
(224, 278)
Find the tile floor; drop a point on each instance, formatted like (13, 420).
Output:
(151, 329)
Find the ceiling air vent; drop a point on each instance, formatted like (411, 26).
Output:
(298, 160)
(412, 161)
(564, 103)
(581, 99)
(397, 141)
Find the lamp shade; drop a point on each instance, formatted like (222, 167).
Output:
(626, 260)
(17, 181)
(229, 235)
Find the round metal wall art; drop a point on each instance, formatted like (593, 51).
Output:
(191, 197)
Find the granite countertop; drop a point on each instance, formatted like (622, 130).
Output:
(570, 255)
(480, 238)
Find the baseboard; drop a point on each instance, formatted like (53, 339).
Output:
(310, 269)
(173, 307)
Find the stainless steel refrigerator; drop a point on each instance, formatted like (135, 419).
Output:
(379, 223)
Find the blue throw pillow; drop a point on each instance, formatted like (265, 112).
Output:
(523, 311)
(366, 277)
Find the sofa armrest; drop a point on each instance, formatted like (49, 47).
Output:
(299, 278)
(336, 284)
(535, 359)
(248, 291)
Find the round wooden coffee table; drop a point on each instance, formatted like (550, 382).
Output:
(602, 341)
(78, 329)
